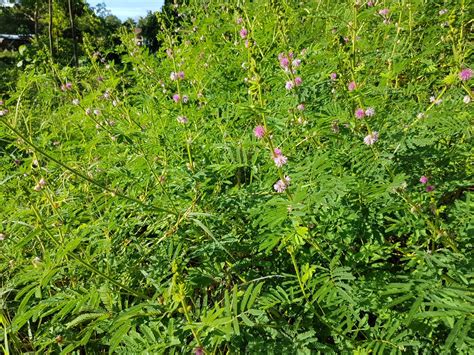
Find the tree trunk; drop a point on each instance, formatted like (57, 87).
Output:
(73, 32)
(50, 29)
(36, 18)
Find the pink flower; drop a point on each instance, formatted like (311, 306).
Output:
(243, 32)
(259, 132)
(360, 113)
(370, 3)
(436, 101)
(465, 74)
(300, 107)
(182, 119)
(384, 12)
(284, 61)
(429, 188)
(176, 98)
(67, 86)
(247, 43)
(281, 185)
(333, 76)
(280, 160)
(289, 85)
(298, 81)
(371, 138)
(296, 63)
(423, 179)
(181, 74)
(351, 86)
(370, 111)
(239, 20)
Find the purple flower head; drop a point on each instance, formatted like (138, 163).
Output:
(351, 86)
(298, 81)
(300, 107)
(384, 12)
(277, 151)
(173, 76)
(296, 63)
(370, 111)
(176, 98)
(281, 185)
(430, 188)
(371, 138)
(199, 351)
(465, 74)
(280, 160)
(181, 74)
(259, 132)
(423, 179)
(247, 43)
(243, 32)
(370, 3)
(289, 85)
(436, 101)
(182, 119)
(333, 76)
(239, 20)
(360, 113)
(284, 61)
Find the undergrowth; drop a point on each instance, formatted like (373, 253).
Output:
(280, 177)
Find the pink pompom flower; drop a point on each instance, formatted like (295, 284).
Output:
(182, 119)
(281, 185)
(384, 12)
(333, 76)
(243, 33)
(259, 131)
(351, 86)
(360, 113)
(298, 81)
(370, 111)
(176, 98)
(465, 74)
(289, 85)
(423, 179)
(371, 138)
(430, 188)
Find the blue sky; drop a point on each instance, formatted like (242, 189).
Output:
(124, 9)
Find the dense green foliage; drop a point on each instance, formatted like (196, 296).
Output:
(135, 222)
